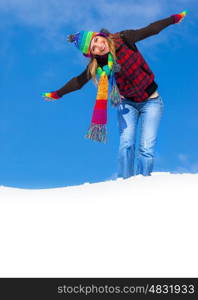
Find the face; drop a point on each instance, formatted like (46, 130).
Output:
(99, 46)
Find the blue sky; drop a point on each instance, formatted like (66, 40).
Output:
(43, 144)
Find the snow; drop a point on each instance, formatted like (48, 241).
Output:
(137, 227)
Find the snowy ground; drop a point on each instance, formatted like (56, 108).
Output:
(139, 227)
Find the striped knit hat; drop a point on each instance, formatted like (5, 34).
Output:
(82, 41)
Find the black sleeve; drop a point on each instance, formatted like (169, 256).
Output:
(135, 35)
(75, 83)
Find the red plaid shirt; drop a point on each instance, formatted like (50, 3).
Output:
(135, 79)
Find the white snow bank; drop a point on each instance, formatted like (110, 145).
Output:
(138, 227)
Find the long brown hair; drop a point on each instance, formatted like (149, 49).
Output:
(92, 67)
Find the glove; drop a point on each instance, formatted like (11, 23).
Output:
(179, 17)
(50, 96)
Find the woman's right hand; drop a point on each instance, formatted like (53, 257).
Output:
(51, 96)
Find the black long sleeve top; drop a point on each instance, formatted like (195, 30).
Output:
(131, 36)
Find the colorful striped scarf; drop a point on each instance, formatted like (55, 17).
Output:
(97, 130)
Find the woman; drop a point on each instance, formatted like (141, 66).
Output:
(115, 59)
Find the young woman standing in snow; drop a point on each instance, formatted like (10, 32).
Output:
(115, 59)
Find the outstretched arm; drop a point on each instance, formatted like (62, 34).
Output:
(135, 35)
(74, 84)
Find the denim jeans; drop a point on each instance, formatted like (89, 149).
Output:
(149, 113)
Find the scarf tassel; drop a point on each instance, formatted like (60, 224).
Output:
(115, 96)
(97, 132)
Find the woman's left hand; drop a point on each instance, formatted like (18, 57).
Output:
(179, 17)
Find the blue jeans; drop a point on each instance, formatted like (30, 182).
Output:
(149, 113)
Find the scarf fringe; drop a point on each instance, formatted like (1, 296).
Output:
(97, 132)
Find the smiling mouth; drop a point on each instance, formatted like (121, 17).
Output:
(102, 50)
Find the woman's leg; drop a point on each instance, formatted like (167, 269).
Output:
(151, 112)
(127, 123)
